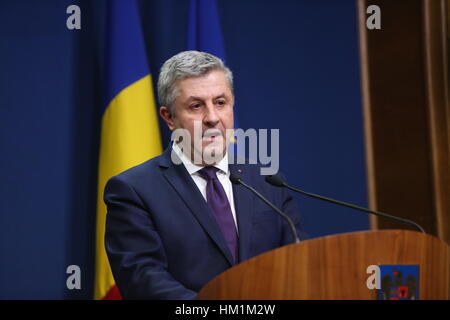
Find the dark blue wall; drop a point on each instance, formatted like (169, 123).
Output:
(296, 68)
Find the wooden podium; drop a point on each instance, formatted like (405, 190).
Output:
(335, 267)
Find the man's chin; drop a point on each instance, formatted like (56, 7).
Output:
(213, 153)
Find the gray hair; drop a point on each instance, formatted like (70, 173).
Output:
(183, 65)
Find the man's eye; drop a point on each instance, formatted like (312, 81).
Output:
(221, 102)
(195, 106)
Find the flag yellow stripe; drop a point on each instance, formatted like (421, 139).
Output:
(129, 136)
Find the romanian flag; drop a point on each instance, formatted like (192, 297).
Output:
(129, 133)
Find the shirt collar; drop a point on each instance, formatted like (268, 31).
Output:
(222, 165)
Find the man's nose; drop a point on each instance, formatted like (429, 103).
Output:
(211, 117)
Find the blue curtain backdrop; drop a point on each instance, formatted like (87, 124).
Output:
(296, 68)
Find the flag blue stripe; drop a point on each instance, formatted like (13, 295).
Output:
(204, 31)
(125, 59)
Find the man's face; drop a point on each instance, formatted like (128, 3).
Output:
(208, 102)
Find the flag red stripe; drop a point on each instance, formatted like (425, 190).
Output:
(113, 294)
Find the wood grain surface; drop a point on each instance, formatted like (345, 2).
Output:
(334, 267)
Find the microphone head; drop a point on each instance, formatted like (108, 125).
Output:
(275, 180)
(235, 178)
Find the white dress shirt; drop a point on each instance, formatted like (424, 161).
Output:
(223, 175)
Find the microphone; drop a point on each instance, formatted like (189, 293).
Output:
(236, 179)
(277, 181)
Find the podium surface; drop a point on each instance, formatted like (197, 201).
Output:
(335, 267)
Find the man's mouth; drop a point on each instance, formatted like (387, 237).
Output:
(211, 135)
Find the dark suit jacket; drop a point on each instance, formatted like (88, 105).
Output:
(162, 239)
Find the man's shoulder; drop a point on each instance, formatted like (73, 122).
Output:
(137, 180)
(143, 171)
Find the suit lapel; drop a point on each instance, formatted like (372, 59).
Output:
(243, 202)
(182, 182)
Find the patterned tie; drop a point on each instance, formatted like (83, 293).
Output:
(218, 202)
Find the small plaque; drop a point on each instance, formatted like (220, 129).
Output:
(399, 282)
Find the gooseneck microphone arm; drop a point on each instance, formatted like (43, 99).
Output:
(277, 181)
(238, 180)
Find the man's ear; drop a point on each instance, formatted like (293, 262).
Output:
(167, 116)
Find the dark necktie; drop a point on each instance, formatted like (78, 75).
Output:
(218, 202)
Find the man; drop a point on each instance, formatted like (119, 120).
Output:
(176, 221)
